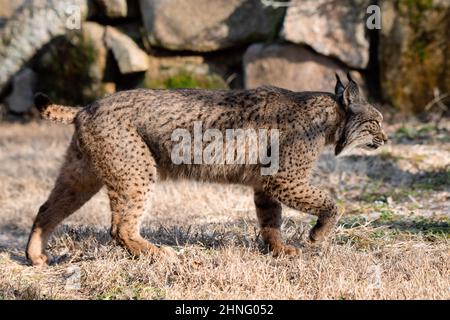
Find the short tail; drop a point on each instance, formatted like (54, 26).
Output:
(54, 112)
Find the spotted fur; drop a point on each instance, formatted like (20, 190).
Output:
(124, 141)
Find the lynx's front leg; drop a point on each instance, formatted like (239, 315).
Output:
(268, 211)
(300, 195)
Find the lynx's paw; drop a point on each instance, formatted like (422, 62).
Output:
(168, 253)
(39, 260)
(285, 250)
(315, 237)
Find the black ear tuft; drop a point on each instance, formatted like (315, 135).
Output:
(41, 101)
(339, 87)
(349, 77)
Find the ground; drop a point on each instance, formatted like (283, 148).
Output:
(392, 243)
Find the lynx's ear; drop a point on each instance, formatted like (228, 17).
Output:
(339, 87)
(351, 95)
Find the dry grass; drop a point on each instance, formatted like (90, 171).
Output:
(393, 243)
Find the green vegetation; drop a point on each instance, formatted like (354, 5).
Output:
(386, 215)
(410, 133)
(389, 227)
(421, 187)
(389, 156)
(416, 8)
(425, 132)
(378, 191)
(434, 180)
(354, 221)
(185, 79)
(438, 226)
(419, 64)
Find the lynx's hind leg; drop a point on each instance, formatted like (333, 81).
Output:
(75, 185)
(130, 174)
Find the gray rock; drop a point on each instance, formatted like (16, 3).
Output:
(21, 98)
(8, 8)
(207, 25)
(33, 26)
(128, 55)
(332, 28)
(3, 111)
(94, 34)
(113, 8)
(291, 67)
(414, 52)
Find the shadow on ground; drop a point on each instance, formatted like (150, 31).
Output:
(418, 225)
(88, 239)
(381, 167)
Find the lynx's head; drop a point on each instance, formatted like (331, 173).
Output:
(363, 122)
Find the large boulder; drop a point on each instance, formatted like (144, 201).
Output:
(93, 34)
(33, 26)
(113, 8)
(414, 52)
(127, 53)
(21, 98)
(207, 25)
(8, 8)
(291, 67)
(332, 28)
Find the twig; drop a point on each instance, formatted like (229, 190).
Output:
(437, 100)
